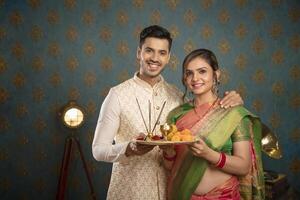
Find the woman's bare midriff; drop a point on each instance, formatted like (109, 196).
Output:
(212, 178)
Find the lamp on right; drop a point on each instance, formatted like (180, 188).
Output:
(269, 143)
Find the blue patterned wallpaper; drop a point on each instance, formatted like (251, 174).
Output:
(55, 51)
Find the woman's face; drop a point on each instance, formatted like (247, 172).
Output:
(199, 76)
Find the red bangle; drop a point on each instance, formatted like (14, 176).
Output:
(222, 161)
(169, 158)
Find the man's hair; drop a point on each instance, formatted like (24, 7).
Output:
(156, 32)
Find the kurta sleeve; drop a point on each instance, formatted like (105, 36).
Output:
(106, 130)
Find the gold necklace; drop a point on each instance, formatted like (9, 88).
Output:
(207, 111)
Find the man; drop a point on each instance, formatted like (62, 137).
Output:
(137, 171)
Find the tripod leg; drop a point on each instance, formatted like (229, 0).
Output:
(86, 170)
(64, 170)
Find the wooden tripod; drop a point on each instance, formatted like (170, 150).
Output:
(64, 170)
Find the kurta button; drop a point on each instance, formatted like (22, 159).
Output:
(155, 93)
(157, 107)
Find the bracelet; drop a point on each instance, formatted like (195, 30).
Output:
(222, 160)
(169, 158)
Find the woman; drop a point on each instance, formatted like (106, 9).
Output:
(226, 162)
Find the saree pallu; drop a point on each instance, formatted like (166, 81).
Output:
(216, 127)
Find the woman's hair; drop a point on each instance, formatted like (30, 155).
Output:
(205, 54)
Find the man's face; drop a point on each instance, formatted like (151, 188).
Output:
(153, 56)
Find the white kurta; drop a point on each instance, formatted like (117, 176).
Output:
(134, 177)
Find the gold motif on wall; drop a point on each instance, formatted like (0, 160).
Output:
(295, 42)
(241, 3)
(19, 80)
(294, 14)
(5, 184)
(122, 48)
(34, 3)
(88, 17)
(72, 34)
(241, 31)
(278, 88)
(295, 165)
(41, 155)
(104, 91)
(189, 17)
(22, 170)
(70, 4)
(74, 93)
(37, 63)
(240, 62)
(104, 4)
(4, 123)
(55, 79)
(174, 31)
(38, 94)
(72, 63)
(257, 105)
(3, 65)
(277, 57)
(205, 4)
(16, 18)
(2, 33)
(123, 76)
(54, 49)
(172, 4)
(36, 33)
(3, 154)
(259, 15)
(242, 90)
(21, 110)
(206, 32)
(276, 30)
(258, 45)
(18, 50)
(224, 46)
(258, 76)
(173, 62)
(295, 135)
(56, 140)
(122, 17)
(295, 101)
(91, 107)
(275, 120)
(189, 46)
(225, 76)
(224, 16)
(155, 17)
(89, 48)
(276, 2)
(39, 125)
(294, 72)
(53, 17)
(136, 32)
(105, 33)
(106, 63)
(23, 140)
(90, 78)
(40, 185)
(4, 95)
(138, 3)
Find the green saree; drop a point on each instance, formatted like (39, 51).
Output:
(216, 127)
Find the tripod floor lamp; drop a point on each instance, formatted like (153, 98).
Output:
(72, 116)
